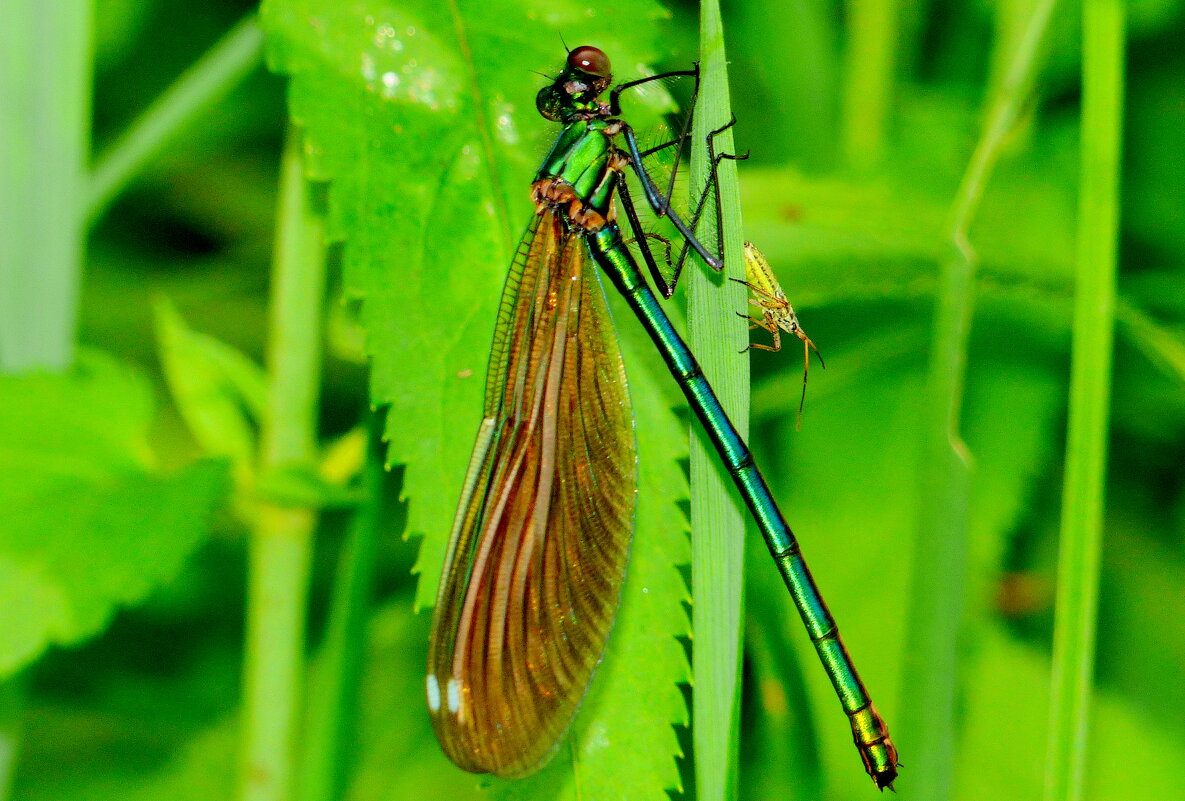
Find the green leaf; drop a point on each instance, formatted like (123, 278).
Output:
(87, 525)
(213, 385)
(398, 757)
(624, 732)
(1007, 717)
(422, 116)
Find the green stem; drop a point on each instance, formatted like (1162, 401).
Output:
(717, 515)
(12, 717)
(45, 121)
(332, 717)
(281, 542)
(1163, 347)
(869, 68)
(935, 613)
(1090, 390)
(202, 85)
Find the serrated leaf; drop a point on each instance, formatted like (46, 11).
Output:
(624, 735)
(423, 118)
(213, 385)
(87, 526)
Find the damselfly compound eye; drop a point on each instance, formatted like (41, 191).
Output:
(592, 60)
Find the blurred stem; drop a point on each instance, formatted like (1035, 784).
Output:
(332, 719)
(281, 542)
(45, 122)
(935, 613)
(1162, 346)
(869, 66)
(45, 100)
(1090, 390)
(201, 86)
(717, 515)
(12, 709)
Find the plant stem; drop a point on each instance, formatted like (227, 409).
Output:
(12, 717)
(935, 613)
(717, 515)
(45, 123)
(869, 67)
(1163, 346)
(281, 542)
(45, 105)
(203, 84)
(1090, 390)
(332, 717)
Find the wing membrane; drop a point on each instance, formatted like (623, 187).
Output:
(541, 538)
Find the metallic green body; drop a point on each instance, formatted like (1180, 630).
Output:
(583, 156)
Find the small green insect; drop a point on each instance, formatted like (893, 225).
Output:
(776, 313)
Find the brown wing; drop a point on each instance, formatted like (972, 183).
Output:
(541, 538)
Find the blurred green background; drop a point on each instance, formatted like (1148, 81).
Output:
(135, 469)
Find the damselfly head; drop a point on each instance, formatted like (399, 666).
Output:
(575, 90)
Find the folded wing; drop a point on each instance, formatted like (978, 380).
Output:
(541, 538)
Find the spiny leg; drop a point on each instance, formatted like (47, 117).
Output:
(641, 236)
(772, 301)
(711, 189)
(766, 324)
(690, 240)
(615, 108)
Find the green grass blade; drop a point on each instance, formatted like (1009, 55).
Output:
(203, 85)
(944, 480)
(716, 335)
(868, 79)
(45, 105)
(330, 741)
(1090, 391)
(12, 716)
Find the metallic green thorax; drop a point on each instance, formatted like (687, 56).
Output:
(583, 158)
(578, 177)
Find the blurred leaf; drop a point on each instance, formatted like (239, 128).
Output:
(1011, 415)
(87, 526)
(1163, 346)
(1154, 180)
(847, 481)
(398, 758)
(117, 24)
(302, 486)
(1142, 617)
(214, 387)
(1131, 757)
(883, 236)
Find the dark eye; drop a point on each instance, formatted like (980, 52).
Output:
(591, 60)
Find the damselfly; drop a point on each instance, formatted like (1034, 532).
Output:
(538, 548)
